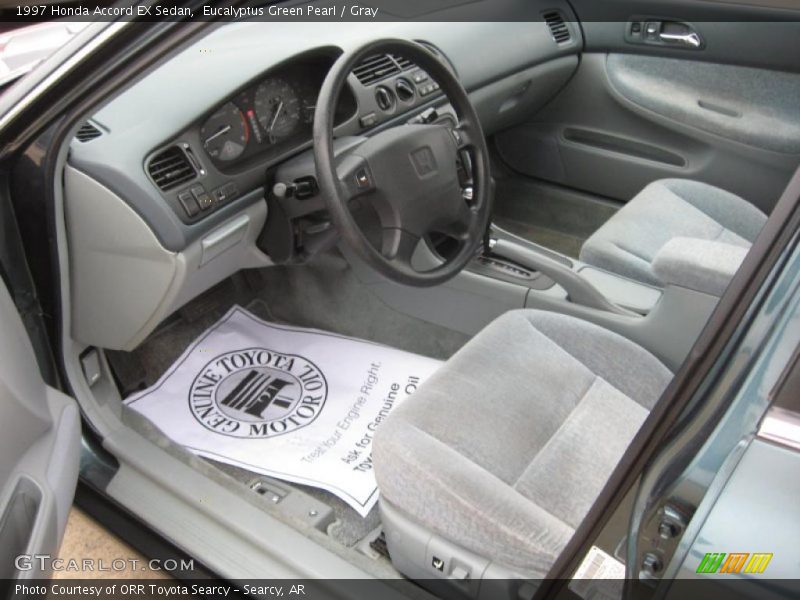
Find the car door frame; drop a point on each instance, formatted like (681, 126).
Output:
(42, 453)
(39, 453)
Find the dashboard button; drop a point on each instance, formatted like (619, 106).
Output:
(203, 198)
(219, 195)
(428, 89)
(205, 201)
(189, 203)
(362, 179)
(231, 191)
(419, 76)
(224, 193)
(305, 187)
(368, 120)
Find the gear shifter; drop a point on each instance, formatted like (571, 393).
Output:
(579, 290)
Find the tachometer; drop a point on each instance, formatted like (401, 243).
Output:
(277, 108)
(225, 133)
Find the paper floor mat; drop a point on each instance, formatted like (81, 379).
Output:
(292, 403)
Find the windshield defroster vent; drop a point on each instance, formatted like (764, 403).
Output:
(380, 66)
(170, 168)
(558, 27)
(88, 132)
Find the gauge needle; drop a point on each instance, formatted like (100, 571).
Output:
(222, 131)
(275, 117)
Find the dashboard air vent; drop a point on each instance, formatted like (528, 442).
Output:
(88, 132)
(380, 66)
(170, 167)
(403, 62)
(558, 27)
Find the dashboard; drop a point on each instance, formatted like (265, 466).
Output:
(169, 183)
(186, 145)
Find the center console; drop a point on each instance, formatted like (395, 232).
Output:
(517, 260)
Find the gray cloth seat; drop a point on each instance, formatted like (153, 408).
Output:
(628, 243)
(505, 448)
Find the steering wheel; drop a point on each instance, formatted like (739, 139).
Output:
(408, 173)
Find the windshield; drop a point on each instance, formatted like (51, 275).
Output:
(24, 48)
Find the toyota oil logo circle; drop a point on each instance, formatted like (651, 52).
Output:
(257, 393)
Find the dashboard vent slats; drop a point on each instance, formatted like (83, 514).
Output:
(375, 68)
(403, 62)
(88, 132)
(380, 66)
(558, 27)
(170, 168)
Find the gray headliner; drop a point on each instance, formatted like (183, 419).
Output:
(234, 55)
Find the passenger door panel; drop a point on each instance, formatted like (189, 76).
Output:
(637, 112)
(756, 107)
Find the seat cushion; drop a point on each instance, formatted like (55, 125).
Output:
(629, 241)
(506, 447)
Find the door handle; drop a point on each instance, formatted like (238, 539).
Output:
(675, 34)
(690, 39)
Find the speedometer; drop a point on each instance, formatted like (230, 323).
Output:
(225, 133)
(277, 108)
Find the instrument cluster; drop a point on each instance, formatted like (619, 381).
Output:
(271, 116)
